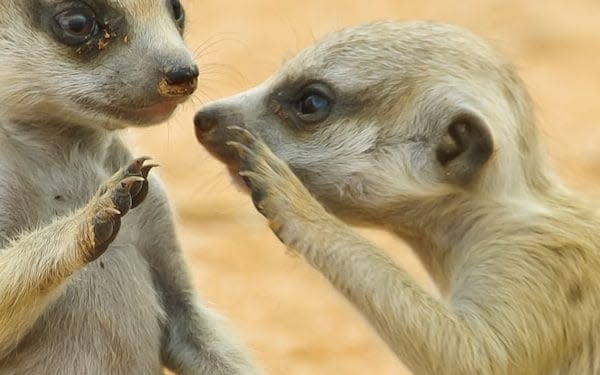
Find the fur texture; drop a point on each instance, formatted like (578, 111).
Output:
(87, 287)
(423, 129)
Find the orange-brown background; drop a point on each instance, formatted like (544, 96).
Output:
(292, 321)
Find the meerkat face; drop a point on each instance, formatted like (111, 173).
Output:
(377, 115)
(108, 63)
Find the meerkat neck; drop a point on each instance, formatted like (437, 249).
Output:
(39, 140)
(469, 223)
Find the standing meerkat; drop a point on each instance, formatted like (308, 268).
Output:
(424, 130)
(87, 287)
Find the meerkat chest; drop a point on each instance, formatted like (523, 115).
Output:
(34, 194)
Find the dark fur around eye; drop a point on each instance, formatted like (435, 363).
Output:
(86, 27)
(76, 26)
(178, 13)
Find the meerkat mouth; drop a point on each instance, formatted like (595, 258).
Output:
(159, 109)
(213, 144)
(145, 114)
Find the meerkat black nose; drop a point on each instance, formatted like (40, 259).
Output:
(205, 121)
(178, 82)
(182, 75)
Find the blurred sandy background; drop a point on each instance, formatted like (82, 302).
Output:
(293, 322)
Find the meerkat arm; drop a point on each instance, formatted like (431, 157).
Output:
(32, 271)
(502, 318)
(195, 340)
(426, 334)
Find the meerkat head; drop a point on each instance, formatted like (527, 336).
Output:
(106, 63)
(376, 116)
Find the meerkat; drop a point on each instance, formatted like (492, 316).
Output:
(425, 130)
(86, 285)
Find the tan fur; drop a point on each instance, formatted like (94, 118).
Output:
(87, 287)
(514, 253)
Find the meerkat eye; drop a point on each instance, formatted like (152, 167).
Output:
(76, 26)
(178, 12)
(313, 105)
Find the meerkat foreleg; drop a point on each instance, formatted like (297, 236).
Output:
(35, 267)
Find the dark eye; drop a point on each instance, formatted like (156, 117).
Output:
(76, 26)
(178, 12)
(313, 106)
(313, 103)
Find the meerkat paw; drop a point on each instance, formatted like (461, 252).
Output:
(276, 191)
(122, 192)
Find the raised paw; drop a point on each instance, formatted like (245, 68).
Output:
(276, 191)
(123, 191)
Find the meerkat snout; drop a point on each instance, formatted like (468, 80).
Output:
(179, 81)
(182, 75)
(204, 122)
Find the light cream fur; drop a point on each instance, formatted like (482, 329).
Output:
(514, 253)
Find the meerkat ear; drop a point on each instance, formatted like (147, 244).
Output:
(464, 148)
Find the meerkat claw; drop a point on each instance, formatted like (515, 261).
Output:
(142, 193)
(247, 136)
(135, 167)
(145, 170)
(241, 149)
(129, 182)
